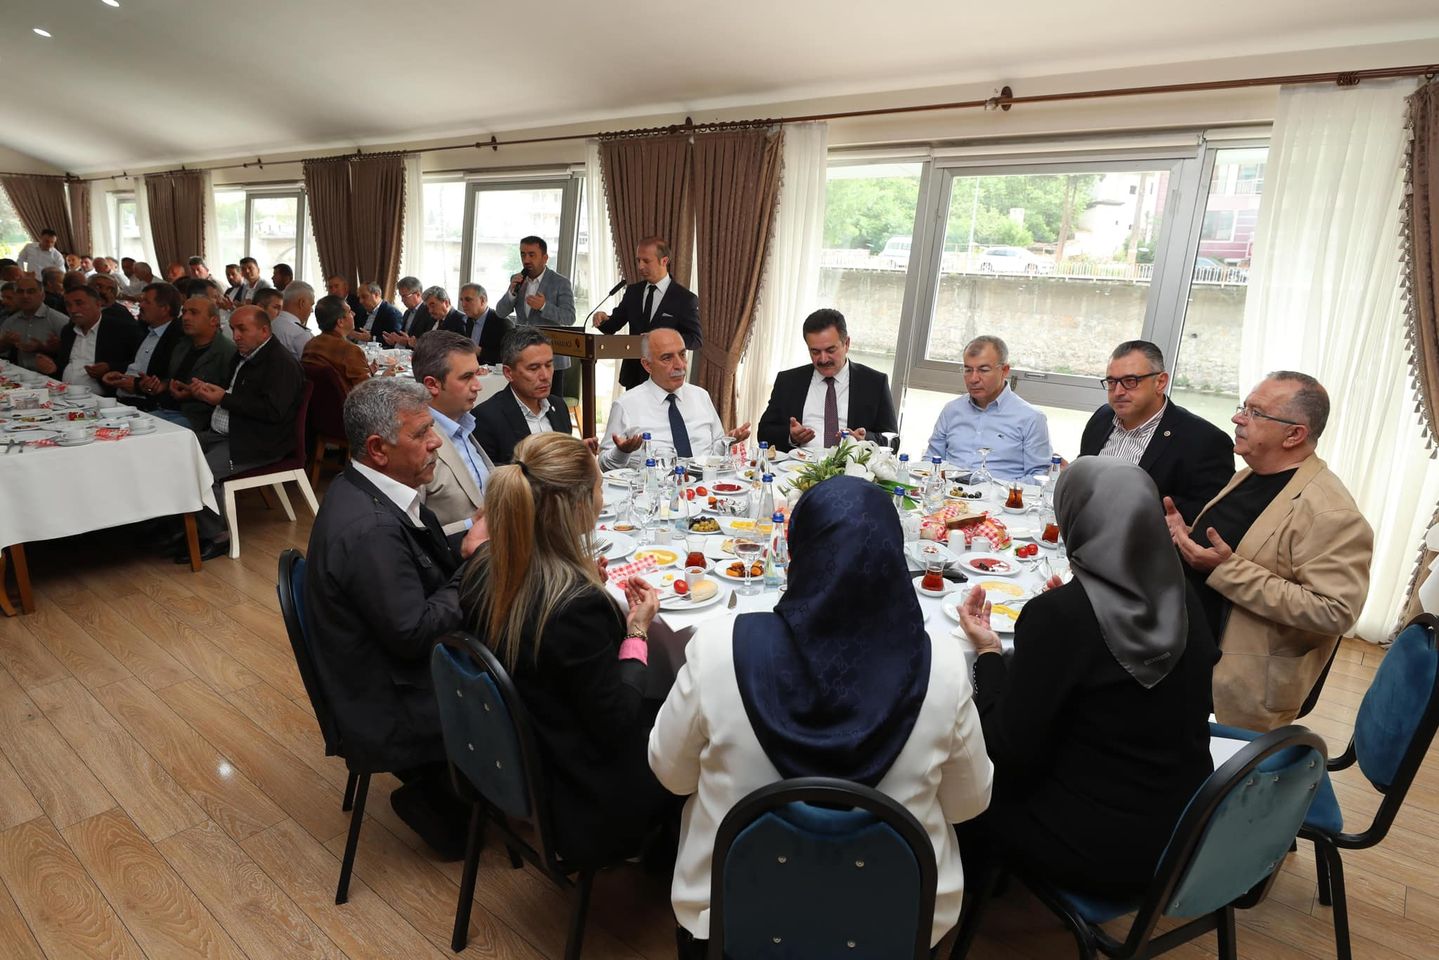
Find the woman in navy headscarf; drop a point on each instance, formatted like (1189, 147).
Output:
(841, 680)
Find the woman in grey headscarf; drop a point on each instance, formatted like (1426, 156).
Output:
(1098, 724)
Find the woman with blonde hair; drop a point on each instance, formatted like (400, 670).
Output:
(537, 598)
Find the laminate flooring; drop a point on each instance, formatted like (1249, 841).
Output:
(164, 793)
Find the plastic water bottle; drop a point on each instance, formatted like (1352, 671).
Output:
(1047, 493)
(764, 454)
(647, 448)
(898, 492)
(903, 475)
(651, 478)
(776, 564)
(934, 486)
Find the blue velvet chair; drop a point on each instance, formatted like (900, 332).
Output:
(816, 868)
(496, 767)
(290, 585)
(1223, 854)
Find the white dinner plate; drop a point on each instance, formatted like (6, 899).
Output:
(989, 565)
(620, 477)
(671, 602)
(1001, 617)
(620, 544)
(62, 442)
(27, 434)
(921, 550)
(663, 556)
(719, 569)
(142, 425)
(24, 419)
(735, 526)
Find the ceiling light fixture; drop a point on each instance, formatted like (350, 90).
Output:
(111, 3)
(42, 32)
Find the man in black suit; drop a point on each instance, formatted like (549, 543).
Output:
(109, 290)
(412, 297)
(436, 314)
(338, 286)
(92, 345)
(1189, 459)
(254, 420)
(656, 301)
(478, 323)
(378, 317)
(809, 405)
(524, 407)
(145, 382)
(373, 639)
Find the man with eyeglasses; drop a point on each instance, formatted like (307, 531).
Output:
(1188, 458)
(1280, 557)
(992, 416)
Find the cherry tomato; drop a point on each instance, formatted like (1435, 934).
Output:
(702, 491)
(681, 587)
(690, 494)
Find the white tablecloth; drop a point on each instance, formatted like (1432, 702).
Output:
(49, 492)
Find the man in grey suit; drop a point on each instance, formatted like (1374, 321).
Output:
(537, 294)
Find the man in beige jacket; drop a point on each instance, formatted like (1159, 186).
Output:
(448, 365)
(1297, 574)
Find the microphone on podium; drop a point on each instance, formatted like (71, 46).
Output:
(613, 290)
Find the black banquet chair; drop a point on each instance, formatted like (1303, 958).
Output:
(821, 869)
(291, 587)
(496, 767)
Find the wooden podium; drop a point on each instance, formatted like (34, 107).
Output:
(587, 347)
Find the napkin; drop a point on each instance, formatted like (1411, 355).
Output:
(633, 569)
(111, 433)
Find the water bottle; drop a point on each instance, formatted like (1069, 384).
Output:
(764, 454)
(647, 449)
(651, 479)
(898, 492)
(1047, 493)
(776, 564)
(764, 505)
(903, 476)
(934, 486)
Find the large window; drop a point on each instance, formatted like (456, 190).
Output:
(444, 234)
(270, 224)
(1063, 255)
(13, 235)
(125, 223)
(868, 225)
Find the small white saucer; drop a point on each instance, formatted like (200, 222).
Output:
(62, 442)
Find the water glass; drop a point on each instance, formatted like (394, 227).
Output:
(748, 551)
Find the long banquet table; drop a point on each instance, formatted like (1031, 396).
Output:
(48, 492)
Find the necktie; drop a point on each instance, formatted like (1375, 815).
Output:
(678, 433)
(831, 414)
(405, 321)
(650, 302)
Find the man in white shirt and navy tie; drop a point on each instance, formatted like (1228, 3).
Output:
(680, 417)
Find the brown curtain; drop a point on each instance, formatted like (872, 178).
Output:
(737, 175)
(177, 215)
(1421, 242)
(327, 192)
(39, 202)
(377, 216)
(647, 191)
(79, 192)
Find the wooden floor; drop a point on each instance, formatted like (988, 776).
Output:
(163, 793)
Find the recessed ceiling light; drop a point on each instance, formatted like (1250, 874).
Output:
(42, 32)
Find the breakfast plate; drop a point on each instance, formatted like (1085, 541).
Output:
(24, 433)
(989, 565)
(722, 570)
(620, 544)
(663, 556)
(707, 591)
(1002, 617)
(621, 477)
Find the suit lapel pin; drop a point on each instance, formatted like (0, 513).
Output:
(1166, 433)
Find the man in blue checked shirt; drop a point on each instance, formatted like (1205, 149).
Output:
(991, 415)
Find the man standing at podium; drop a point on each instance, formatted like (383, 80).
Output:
(656, 301)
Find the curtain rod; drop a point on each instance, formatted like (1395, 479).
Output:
(1003, 100)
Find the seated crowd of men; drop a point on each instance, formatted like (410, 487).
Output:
(1278, 551)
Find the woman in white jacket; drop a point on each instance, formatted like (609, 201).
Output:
(841, 680)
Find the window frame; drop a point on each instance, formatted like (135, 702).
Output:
(567, 182)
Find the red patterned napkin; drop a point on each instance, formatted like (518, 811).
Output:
(47, 442)
(625, 571)
(111, 433)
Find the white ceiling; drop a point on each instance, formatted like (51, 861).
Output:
(154, 82)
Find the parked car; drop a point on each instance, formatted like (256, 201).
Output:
(895, 255)
(1013, 260)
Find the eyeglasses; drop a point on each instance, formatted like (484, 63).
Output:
(1129, 383)
(1245, 412)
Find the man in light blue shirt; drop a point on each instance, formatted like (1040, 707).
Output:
(991, 415)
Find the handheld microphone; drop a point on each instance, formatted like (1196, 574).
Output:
(515, 284)
(613, 290)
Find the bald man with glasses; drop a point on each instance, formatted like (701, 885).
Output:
(1188, 458)
(1280, 557)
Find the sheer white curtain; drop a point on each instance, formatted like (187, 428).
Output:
(142, 218)
(412, 244)
(211, 227)
(604, 272)
(102, 234)
(1324, 299)
(791, 281)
